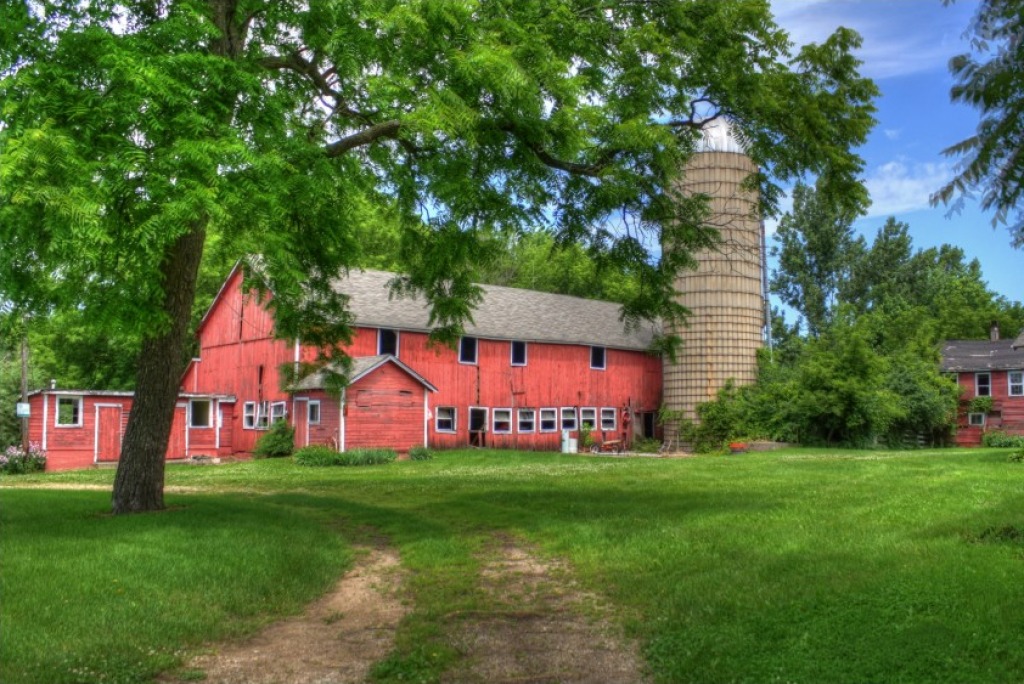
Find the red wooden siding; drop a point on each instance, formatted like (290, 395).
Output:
(384, 409)
(1007, 412)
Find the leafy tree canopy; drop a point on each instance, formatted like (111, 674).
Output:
(133, 134)
(991, 79)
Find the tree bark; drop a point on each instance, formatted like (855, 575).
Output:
(139, 484)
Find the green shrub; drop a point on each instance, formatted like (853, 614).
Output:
(420, 453)
(1017, 456)
(647, 445)
(278, 442)
(999, 439)
(326, 456)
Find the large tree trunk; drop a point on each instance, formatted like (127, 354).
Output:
(139, 485)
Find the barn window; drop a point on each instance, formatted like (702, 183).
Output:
(548, 420)
(588, 417)
(597, 358)
(569, 418)
(445, 419)
(313, 412)
(1016, 383)
(467, 350)
(69, 411)
(976, 419)
(502, 418)
(278, 411)
(256, 415)
(527, 420)
(983, 384)
(608, 419)
(387, 341)
(200, 413)
(518, 353)
(249, 415)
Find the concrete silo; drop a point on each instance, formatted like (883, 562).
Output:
(725, 293)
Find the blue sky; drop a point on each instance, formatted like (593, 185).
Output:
(906, 50)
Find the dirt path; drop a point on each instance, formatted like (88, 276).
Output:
(542, 628)
(336, 640)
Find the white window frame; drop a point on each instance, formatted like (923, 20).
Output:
(609, 419)
(249, 412)
(976, 419)
(588, 414)
(562, 422)
(476, 350)
(528, 415)
(397, 341)
(1015, 381)
(512, 353)
(310, 405)
(604, 358)
(454, 419)
(553, 412)
(278, 411)
(507, 412)
(191, 414)
(977, 384)
(77, 412)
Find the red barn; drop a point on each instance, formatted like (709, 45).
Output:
(993, 369)
(78, 429)
(531, 365)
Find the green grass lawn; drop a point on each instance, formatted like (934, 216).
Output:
(801, 566)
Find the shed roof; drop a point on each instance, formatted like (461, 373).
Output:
(505, 313)
(981, 355)
(1019, 342)
(361, 367)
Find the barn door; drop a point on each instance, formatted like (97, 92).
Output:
(108, 433)
(176, 443)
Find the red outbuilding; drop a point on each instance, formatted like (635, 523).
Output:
(991, 375)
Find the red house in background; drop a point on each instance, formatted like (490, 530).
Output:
(531, 365)
(992, 369)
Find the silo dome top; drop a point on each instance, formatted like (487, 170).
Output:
(719, 136)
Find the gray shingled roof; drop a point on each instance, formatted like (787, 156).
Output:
(506, 313)
(361, 367)
(1019, 342)
(981, 355)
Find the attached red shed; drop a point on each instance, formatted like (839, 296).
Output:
(82, 428)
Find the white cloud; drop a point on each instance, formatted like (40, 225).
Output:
(892, 133)
(899, 187)
(900, 38)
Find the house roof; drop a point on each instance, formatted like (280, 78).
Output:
(1019, 342)
(361, 367)
(981, 355)
(505, 313)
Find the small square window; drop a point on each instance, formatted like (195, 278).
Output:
(200, 413)
(518, 353)
(467, 350)
(568, 418)
(609, 419)
(387, 341)
(278, 411)
(502, 421)
(527, 420)
(548, 420)
(69, 411)
(444, 420)
(983, 384)
(1016, 380)
(597, 358)
(588, 417)
(976, 419)
(313, 412)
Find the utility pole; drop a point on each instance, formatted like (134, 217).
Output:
(24, 382)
